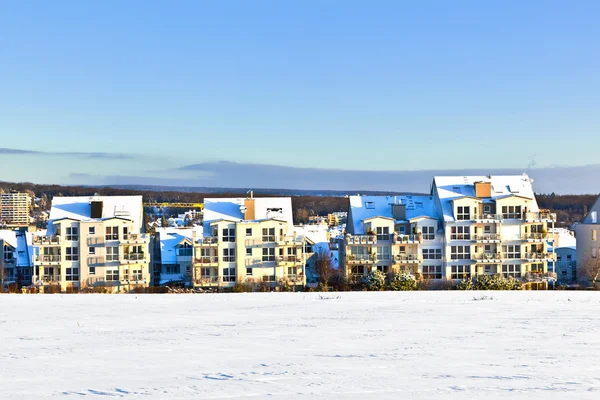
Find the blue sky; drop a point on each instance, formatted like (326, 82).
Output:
(378, 85)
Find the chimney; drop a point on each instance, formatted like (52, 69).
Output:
(96, 209)
(483, 190)
(249, 215)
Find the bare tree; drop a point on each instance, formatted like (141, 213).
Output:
(324, 266)
(589, 269)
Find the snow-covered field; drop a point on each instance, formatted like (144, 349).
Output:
(419, 345)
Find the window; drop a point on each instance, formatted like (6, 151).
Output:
(72, 234)
(358, 270)
(92, 251)
(383, 233)
(112, 275)
(594, 235)
(432, 272)
(112, 233)
(248, 231)
(112, 253)
(72, 274)
(293, 270)
(383, 253)
(428, 233)
(205, 273)
(136, 275)
(460, 233)
(463, 213)
(268, 278)
(537, 268)
(383, 268)
(291, 251)
(461, 272)
(513, 270)
(268, 254)
(511, 212)
(487, 209)
(91, 270)
(402, 230)
(432, 254)
(370, 205)
(268, 234)
(228, 274)
(185, 250)
(229, 255)
(172, 269)
(594, 252)
(536, 228)
(229, 235)
(512, 251)
(92, 230)
(8, 254)
(248, 251)
(72, 254)
(249, 271)
(459, 253)
(487, 229)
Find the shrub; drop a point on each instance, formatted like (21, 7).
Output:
(403, 281)
(374, 281)
(496, 282)
(465, 284)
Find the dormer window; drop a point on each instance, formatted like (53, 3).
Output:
(370, 205)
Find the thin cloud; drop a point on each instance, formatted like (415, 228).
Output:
(100, 155)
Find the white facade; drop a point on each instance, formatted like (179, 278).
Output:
(14, 209)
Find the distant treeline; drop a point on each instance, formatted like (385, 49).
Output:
(569, 208)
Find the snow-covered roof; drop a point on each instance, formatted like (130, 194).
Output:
(229, 209)
(365, 207)
(21, 242)
(170, 238)
(564, 237)
(450, 188)
(79, 208)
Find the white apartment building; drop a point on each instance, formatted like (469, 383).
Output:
(588, 242)
(467, 226)
(14, 209)
(15, 262)
(93, 241)
(248, 240)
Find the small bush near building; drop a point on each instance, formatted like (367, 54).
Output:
(374, 281)
(403, 281)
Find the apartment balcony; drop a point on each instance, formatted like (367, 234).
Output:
(207, 241)
(97, 281)
(96, 261)
(487, 257)
(9, 262)
(462, 236)
(360, 259)
(487, 238)
(534, 237)
(135, 238)
(288, 260)
(487, 218)
(207, 281)
(131, 279)
(289, 241)
(207, 261)
(130, 258)
(408, 258)
(539, 276)
(509, 216)
(51, 240)
(408, 239)
(539, 217)
(362, 239)
(95, 240)
(294, 278)
(45, 279)
(540, 256)
(52, 259)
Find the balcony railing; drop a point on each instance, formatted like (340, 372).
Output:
(206, 260)
(485, 237)
(408, 239)
(47, 258)
(535, 236)
(362, 239)
(46, 278)
(95, 240)
(487, 217)
(357, 258)
(512, 215)
(408, 257)
(208, 241)
(289, 240)
(487, 256)
(96, 260)
(539, 216)
(460, 236)
(207, 280)
(134, 256)
(538, 276)
(135, 238)
(288, 259)
(539, 256)
(46, 240)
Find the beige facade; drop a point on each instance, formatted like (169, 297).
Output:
(14, 209)
(109, 252)
(263, 251)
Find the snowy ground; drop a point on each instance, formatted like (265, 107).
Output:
(420, 345)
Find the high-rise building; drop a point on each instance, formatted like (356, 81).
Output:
(14, 209)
